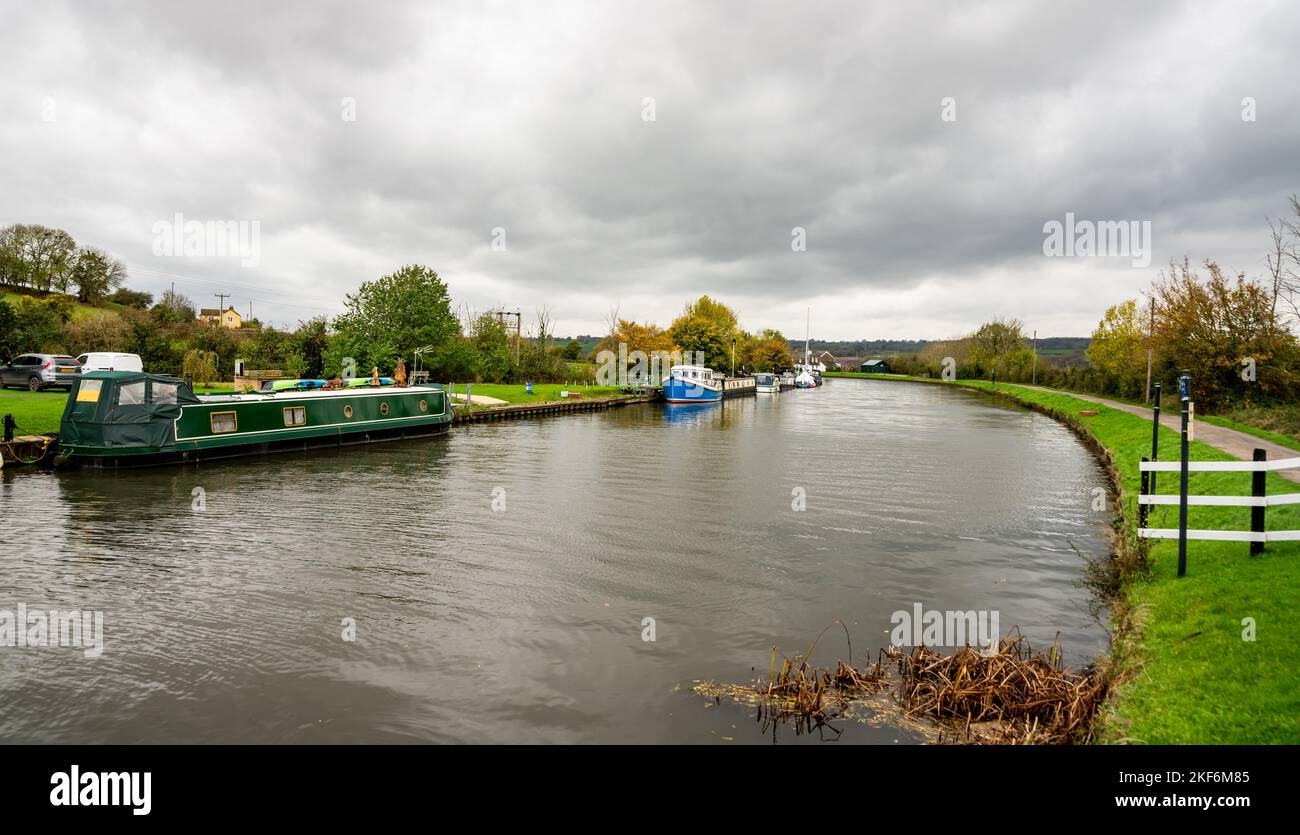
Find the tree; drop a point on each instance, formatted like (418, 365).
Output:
(1219, 328)
(98, 333)
(1118, 350)
(392, 316)
(708, 326)
(1284, 263)
(9, 341)
(770, 352)
(722, 317)
(999, 346)
(494, 354)
(147, 339)
(572, 350)
(702, 336)
(173, 308)
(647, 338)
(132, 298)
(200, 366)
(36, 256)
(310, 341)
(96, 274)
(37, 324)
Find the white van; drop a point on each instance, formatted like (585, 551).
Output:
(105, 361)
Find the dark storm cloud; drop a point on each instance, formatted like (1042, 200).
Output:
(528, 117)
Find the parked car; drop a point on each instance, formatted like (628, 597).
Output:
(39, 371)
(109, 361)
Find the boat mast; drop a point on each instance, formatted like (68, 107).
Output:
(807, 329)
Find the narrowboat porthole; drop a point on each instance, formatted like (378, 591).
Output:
(347, 411)
(424, 406)
(383, 408)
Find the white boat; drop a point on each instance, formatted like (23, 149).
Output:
(808, 374)
(767, 384)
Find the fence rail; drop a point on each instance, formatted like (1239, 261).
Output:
(1220, 466)
(1257, 501)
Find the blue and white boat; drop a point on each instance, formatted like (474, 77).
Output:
(692, 384)
(767, 383)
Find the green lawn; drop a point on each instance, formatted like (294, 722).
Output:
(37, 413)
(542, 392)
(1198, 680)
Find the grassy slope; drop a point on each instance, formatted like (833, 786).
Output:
(1200, 682)
(79, 311)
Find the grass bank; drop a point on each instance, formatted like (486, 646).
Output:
(542, 392)
(1187, 675)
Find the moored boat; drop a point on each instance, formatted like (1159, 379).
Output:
(692, 384)
(126, 419)
(767, 383)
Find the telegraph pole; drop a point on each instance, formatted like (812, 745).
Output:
(222, 297)
(1035, 375)
(519, 323)
(1151, 333)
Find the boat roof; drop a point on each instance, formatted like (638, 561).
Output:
(313, 394)
(690, 368)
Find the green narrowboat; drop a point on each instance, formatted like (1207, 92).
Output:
(130, 419)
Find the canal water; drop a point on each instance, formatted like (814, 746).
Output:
(499, 578)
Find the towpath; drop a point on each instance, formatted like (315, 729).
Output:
(1237, 444)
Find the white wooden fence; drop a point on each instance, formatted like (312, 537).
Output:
(1257, 500)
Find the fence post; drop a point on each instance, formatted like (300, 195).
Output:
(1257, 513)
(1155, 436)
(1185, 395)
(1142, 508)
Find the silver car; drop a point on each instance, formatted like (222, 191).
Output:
(39, 371)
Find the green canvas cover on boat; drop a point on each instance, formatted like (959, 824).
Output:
(123, 409)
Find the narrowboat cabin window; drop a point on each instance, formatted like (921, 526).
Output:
(164, 392)
(131, 394)
(223, 422)
(383, 408)
(295, 416)
(347, 411)
(424, 405)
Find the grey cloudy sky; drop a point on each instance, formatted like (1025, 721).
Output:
(767, 116)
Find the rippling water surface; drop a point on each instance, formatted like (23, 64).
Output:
(525, 624)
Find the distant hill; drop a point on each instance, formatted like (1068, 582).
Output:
(1062, 350)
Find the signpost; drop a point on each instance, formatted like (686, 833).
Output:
(1184, 395)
